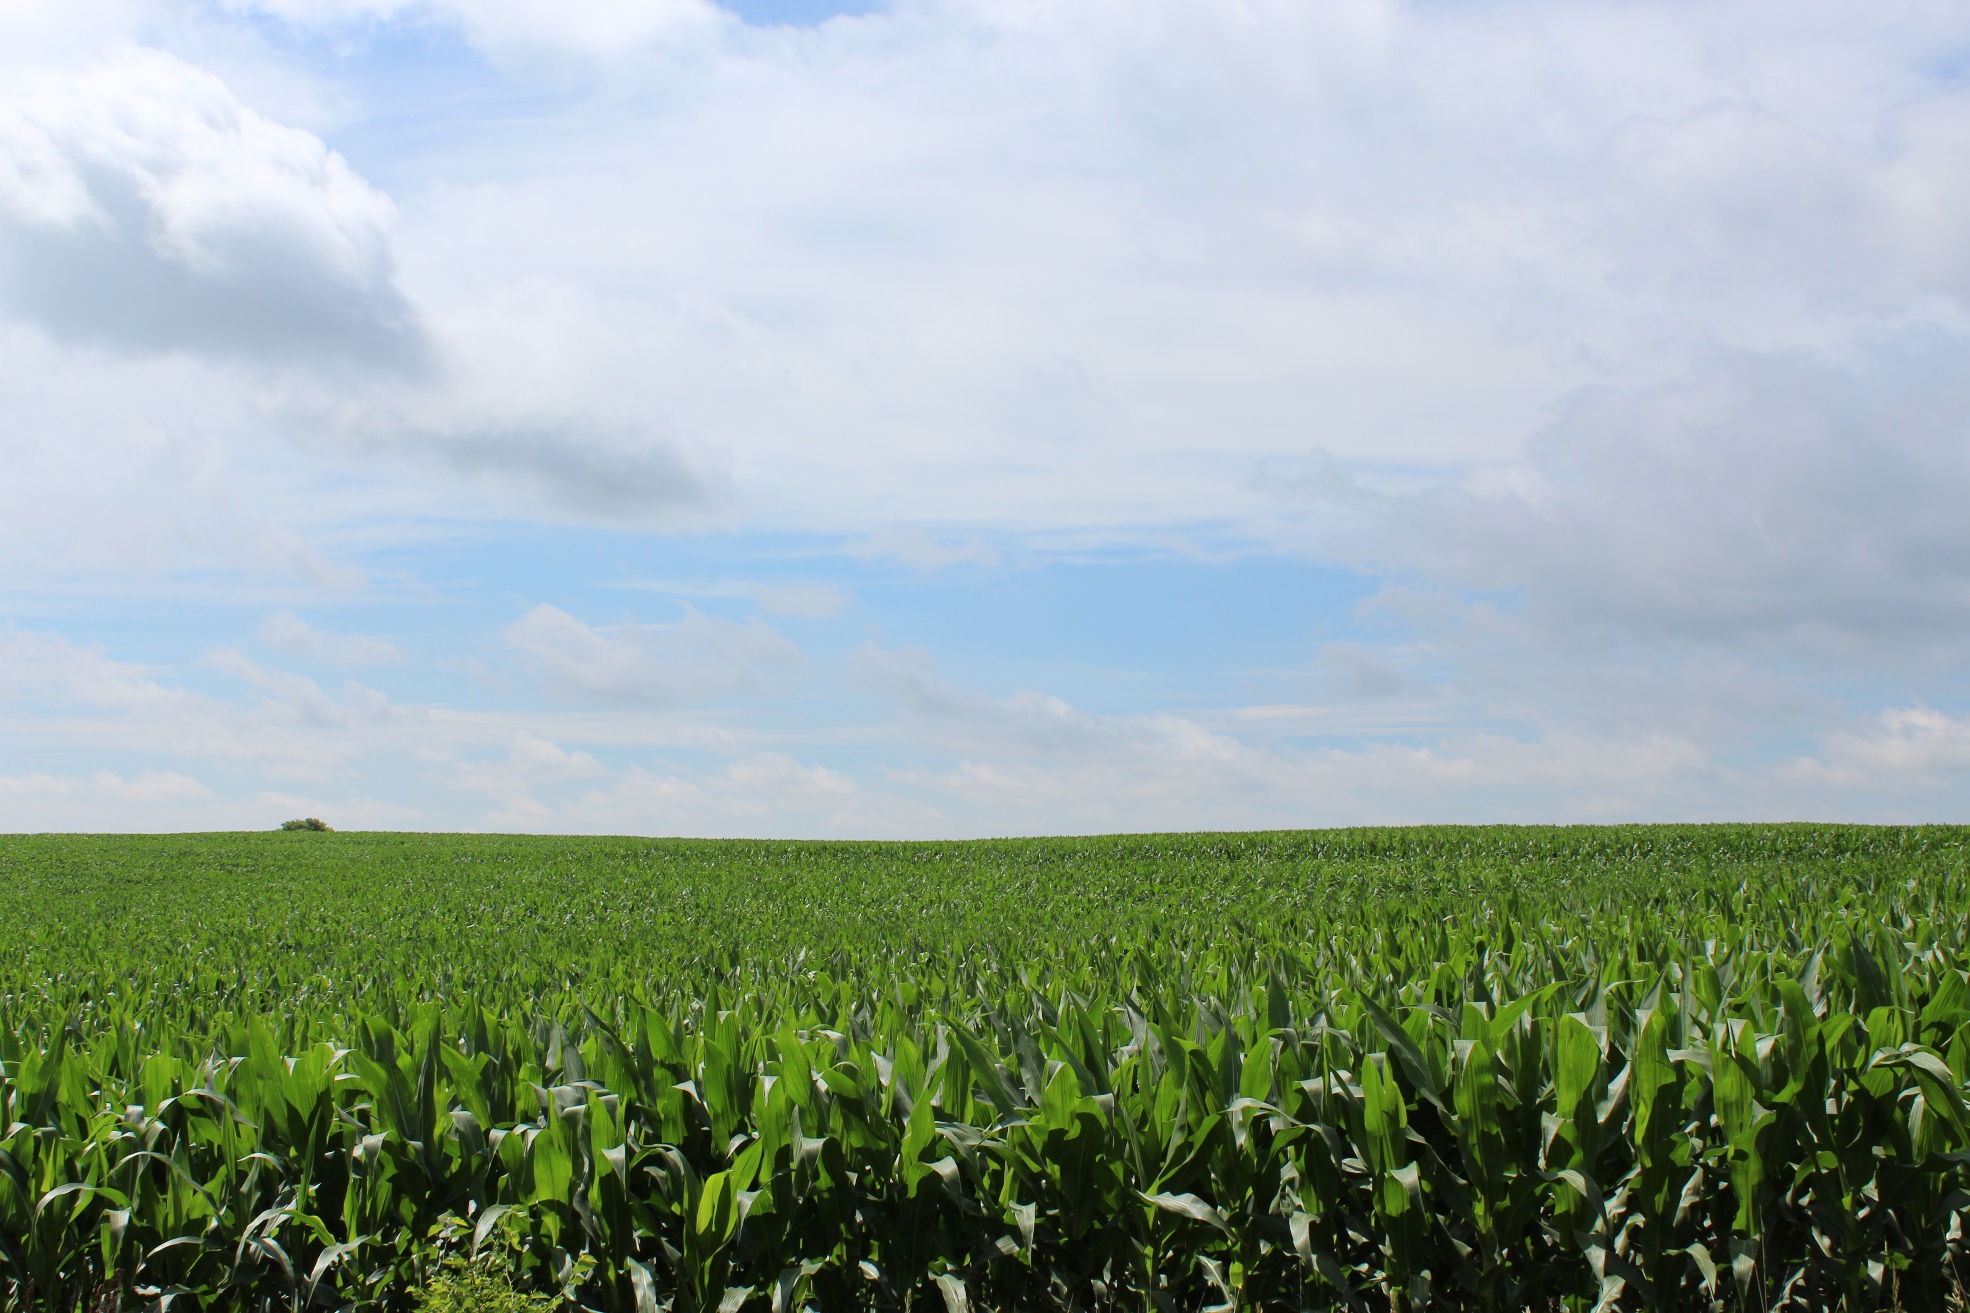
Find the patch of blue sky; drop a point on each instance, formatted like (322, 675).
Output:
(797, 13)
(418, 97)
(1117, 634)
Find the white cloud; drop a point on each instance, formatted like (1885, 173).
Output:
(799, 599)
(754, 793)
(1676, 745)
(1646, 322)
(54, 693)
(530, 761)
(1794, 502)
(142, 206)
(951, 761)
(1027, 723)
(32, 786)
(136, 471)
(107, 787)
(1059, 269)
(1053, 765)
(767, 793)
(648, 665)
(59, 696)
(104, 800)
(46, 665)
(298, 699)
(802, 601)
(291, 636)
(1355, 672)
(348, 812)
(1035, 764)
(149, 786)
(1904, 747)
(913, 547)
(1047, 270)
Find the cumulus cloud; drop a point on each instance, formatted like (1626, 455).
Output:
(633, 478)
(1905, 746)
(347, 812)
(1232, 786)
(536, 787)
(143, 207)
(154, 801)
(1027, 723)
(300, 699)
(1057, 767)
(54, 692)
(756, 794)
(150, 786)
(46, 665)
(128, 469)
(104, 800)
(952, 760)
(1791, 501)
(530, 761)
(697, 658)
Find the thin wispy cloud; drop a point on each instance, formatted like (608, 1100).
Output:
(294, 637)
(692, 659)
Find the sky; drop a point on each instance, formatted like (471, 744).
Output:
(948, 418)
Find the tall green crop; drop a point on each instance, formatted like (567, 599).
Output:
(1655, 1068)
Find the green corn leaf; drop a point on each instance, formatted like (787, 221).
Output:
(717, 1215)
(956, 1298)
(1188, 1206)
(1385, 1117)
(986, 1068)
(1414, 1065)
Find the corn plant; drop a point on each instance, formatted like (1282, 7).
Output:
(1628, 1069)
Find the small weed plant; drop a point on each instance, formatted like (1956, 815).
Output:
(464, 1287)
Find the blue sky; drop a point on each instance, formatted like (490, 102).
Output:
(945, 419)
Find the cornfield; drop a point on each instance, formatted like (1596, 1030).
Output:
(1628, 1068)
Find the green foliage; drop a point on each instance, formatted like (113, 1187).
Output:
(465, 1287)
(1636, 1068)
(311, 823)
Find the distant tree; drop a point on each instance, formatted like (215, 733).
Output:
(312, 823)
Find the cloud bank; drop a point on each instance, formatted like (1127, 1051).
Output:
(1617, 349)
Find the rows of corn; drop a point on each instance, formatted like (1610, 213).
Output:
(1630, 1069)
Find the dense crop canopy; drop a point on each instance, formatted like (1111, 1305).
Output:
(1487, 1069)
